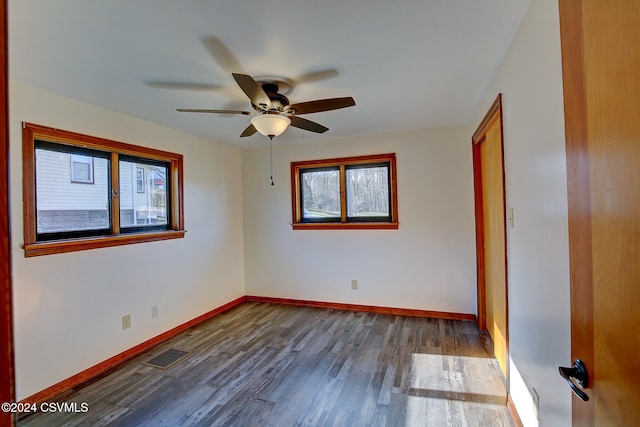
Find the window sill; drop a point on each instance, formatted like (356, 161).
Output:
(345, 226)
(62, 246)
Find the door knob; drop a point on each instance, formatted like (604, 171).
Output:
(578, 373)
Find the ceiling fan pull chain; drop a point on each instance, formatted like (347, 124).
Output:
(271, 158)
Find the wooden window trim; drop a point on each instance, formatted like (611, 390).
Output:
(31, 132)
(342, 162)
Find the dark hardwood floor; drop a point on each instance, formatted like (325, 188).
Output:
(273, 365)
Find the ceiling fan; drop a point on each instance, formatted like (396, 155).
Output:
(273, 112)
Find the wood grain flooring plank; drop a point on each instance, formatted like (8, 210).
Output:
(262, 364)
(386, 388)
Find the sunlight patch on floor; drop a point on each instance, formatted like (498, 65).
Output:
(440, 385)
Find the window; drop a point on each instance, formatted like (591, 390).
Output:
(146, 209)
(82, 192)
(351, 192)
(140, 180)
(65, 209)
(81, 169)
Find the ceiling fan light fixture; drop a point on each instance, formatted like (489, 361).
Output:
(270, 125)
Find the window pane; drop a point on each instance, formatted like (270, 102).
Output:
(143, 194)
(63, 204)
(320, 194)
(81, 172)
(368, 192)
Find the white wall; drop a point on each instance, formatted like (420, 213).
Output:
(530, 79)
(68, 307)
(428, 263)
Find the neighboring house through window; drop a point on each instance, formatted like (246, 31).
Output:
(119, 207)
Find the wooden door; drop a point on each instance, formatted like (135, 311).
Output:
(601, 75)
(490, 232)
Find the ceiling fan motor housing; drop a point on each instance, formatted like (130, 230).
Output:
(279, 102)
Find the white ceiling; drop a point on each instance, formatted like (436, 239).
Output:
(409, 64)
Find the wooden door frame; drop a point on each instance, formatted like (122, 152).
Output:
(7, 367)
(478, 137)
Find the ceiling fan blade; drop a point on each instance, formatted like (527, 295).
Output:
(183, 86)
(322, 105)
(253, 90)
(223, 56)
(250, 130)
(305, 124)
(198, 110)
(315, 76)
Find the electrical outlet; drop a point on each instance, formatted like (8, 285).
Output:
(126, 321)
(154, 311)
(536, 402)
(354, 284)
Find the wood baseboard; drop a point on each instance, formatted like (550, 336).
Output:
(364, 308)
(513, 412)
(111, 363)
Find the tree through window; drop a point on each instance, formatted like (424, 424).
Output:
(350, 192)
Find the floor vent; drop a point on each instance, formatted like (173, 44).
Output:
(166, 359)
